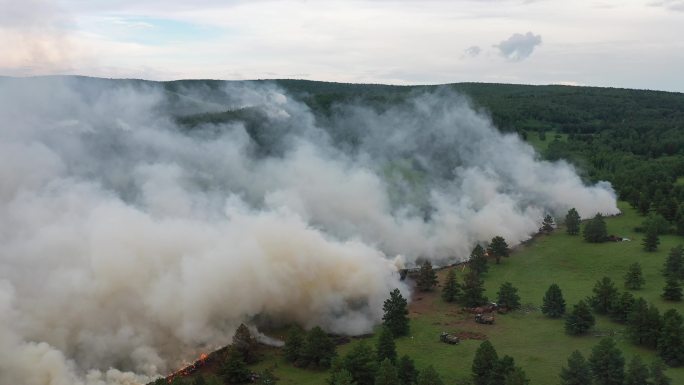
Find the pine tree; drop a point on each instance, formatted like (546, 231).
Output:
(396, 314)
(595, 230)
(637, 372)
(473, 290)
(362, 364)
(651, 240)
(318, 349)
(607, 364)
(621, 307)
(658, 376)
(429, 376)
(517, 377)
(341, 377)
(483, 363)
(294, 344)
(408, 374)
(572, 222)
(634, 278)
(387, 374)
(508, 296)
(672, 290)
(386, 349)
(553, 304)
(547, 225)
(671, 340)
(478, 261)
(234, 369)
(643, 324)
(577, 372)
(498, 248)
(245, 343)
(605, 293)
(502, 369)
(580, 320)
(451, 289)
(674, 264)
(427, 279)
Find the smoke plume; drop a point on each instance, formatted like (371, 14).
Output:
(141, 223)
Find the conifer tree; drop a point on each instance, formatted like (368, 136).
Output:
(294, 344)
(637, 372)
(605, 293)
(484, 363)
(478, 261)
(408, 374)
(643, 324)
(572, 222)
(498, 248)
(427, 279)
(580, 320)
(387, 374)
(621, 307)
(508, 296)
(634, 278)
(671, 340)
(318, 349)
(674, 264)
(451, 290)
(547, 225)
(553, 304)
(341, 377)
(267, 378)
(396, 314)
(245, 343)
(672, 290)
(362, 364)
(517, 377)
(658, 376)
(502, 369)
(651, 240)
(607, 364)
(473, 290)
(577, 372)
(386, 349)
(595, 230)
(234, 369)
(429, 376)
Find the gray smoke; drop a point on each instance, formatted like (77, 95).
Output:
(132, 240)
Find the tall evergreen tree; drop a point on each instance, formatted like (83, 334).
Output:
(634, 278)
(572, 222)
(605, 293)
(580, 320)
(478, 261)
(387, 374)
(362, 364)
(674, 264)
(595, 230)
(577, 372)
(245, 343)
(498, 248)
(607, 364)
(672, 290)
(429, 376)
(548, 224)
(294, 344)
(658, 376)
(450, 290)
(396, 314)
(553, 304)
(621, 307)
(473, 290)
(651, 240)
(508, 296)
(502, 369)
(427, 279)
(318, 349)
(408, 374)
(637, 372)
(484, 363)
(671, 340)
(386, 349)
(643, 324)
(234, 369)
(341, 377)
(517, 377)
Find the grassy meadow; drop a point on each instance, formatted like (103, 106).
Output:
(537, 343)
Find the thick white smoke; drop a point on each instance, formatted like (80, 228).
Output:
(130, 240)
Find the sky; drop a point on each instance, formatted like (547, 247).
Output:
(625, 43)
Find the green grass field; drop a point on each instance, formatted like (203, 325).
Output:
(537, 343)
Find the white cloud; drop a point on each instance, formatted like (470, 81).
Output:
(519, 47)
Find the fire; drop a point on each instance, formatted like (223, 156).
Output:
(203, 356)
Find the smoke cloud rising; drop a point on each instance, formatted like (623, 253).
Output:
(132, 238)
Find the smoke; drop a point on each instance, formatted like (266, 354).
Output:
(140, 223)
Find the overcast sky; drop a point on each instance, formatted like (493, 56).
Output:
(625, 43)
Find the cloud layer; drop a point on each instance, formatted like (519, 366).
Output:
(132, 241)
(519, 47)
